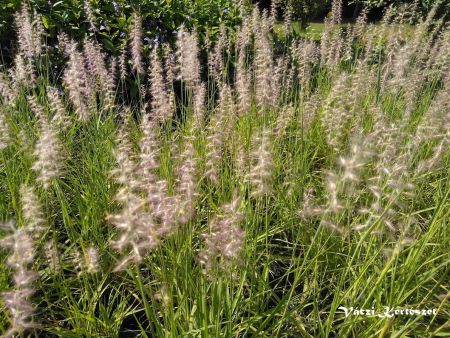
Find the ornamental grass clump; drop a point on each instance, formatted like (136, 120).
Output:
(252, 183)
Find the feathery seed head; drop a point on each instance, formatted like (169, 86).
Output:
(336, 12)
(92, 260)
(21, 310)
(123, 63)
(187, 57)
(76, 80)
(138, 232)
(263, 68)
(33, 214)
(48, 151)
(90, 16)
(7, 94)
(5, 137)
(162, 109)
(25, 32)
(60, 118)
(23, 72)
(53, 257)
(224, 243)
(22, 247)
(243, 84)
(136, 44)
(260, 174)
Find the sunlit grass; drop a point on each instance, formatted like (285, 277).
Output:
(347, 217)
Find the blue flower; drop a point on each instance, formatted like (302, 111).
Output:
(115, 5)
(123, 34)
(147, 39)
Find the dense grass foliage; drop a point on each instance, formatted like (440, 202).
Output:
(249, 193)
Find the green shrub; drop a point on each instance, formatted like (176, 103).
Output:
(112, 18)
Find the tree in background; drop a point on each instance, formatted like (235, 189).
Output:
(307, 10)
(420, 7)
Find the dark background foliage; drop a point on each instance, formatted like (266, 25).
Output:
(112, 18)
(161, 18)
(316, 10)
